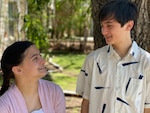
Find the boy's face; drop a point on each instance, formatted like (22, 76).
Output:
(113, 32)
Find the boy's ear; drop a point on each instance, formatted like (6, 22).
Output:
(130, 24)
(16, 70)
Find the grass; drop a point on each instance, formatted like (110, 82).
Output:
(71, 63)
(64, 81)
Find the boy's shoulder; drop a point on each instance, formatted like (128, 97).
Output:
(140, 53)
(145, 55)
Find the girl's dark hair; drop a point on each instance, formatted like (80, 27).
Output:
(12, 56)
(121, 10)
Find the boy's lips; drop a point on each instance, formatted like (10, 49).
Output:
(108, 37)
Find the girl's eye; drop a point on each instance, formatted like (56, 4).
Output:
(35, 58)
(41, 55)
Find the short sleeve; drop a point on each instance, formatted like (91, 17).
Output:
(84, 78)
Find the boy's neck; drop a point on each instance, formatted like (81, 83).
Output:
(122, 49)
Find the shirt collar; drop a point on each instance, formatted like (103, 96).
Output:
(110, 50)
(133, 51)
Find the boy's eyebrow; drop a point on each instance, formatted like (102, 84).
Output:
(106, 22)
(109, 22)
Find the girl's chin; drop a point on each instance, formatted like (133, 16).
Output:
(43, 73)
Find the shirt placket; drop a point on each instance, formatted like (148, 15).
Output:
(118, 83)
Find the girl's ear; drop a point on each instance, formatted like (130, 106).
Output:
(130, 25)
(16, 70)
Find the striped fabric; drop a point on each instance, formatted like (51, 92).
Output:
(115, 85)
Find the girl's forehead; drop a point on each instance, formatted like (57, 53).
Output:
(31, 50)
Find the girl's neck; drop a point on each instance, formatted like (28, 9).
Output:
(27, 88)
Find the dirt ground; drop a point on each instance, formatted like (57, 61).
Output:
(73, 104)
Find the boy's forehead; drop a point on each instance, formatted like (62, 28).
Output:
(107, 17)
(108, 20)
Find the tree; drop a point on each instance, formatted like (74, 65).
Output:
(0, 7)
(34, 28)
(22, 11)
(140, 31)
(3, 23)
(98, 38)
(71, 17)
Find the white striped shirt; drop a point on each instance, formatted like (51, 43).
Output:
(115, 85)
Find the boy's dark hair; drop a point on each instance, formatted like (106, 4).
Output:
(120, 10)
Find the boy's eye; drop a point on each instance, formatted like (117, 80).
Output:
(106, 26)
(109, 26)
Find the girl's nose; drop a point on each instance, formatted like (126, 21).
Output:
(42, 60)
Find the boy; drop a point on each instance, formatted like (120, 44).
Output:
(116, 77)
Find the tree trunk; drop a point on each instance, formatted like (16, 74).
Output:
(140, 31)
(98, 38)
(0, 7)
(3, 25)
(54, 24)
(22, 11)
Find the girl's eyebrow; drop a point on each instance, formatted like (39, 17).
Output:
(34, 55)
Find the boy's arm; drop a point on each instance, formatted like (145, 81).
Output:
(85, 106)
(147, 110)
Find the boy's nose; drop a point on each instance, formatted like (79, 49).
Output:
(104, 31)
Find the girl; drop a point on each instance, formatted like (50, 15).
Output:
(29, 93)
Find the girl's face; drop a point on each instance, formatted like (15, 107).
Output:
(33, 63)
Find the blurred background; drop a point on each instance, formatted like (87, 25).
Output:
(65, 31)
